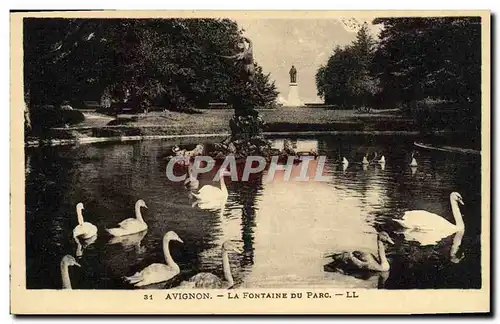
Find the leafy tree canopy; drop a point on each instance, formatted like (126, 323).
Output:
(428, 66)
(346, 79)
(175, 63)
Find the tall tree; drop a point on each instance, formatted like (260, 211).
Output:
(431, 57)
(175, 63)
(433, 60)
(346, 79)
(363, 85)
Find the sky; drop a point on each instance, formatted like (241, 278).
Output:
(305, 43)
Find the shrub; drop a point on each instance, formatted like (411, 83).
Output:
(72, 117)
(434, 114)
(45, 117)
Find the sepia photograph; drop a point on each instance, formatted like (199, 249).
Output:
(218, 158)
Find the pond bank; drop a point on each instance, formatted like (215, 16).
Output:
(90, 140)
(214, 124)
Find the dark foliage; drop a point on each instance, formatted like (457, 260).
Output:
(47, 116)
(139, 63)
(429, 67)
(346, 80)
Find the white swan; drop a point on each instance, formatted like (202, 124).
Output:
(131, 225)
(208, 280)
(158, 272)
(345, 164)
(66, 262)
(84, 229)
(209, 194)
(382, 160)
(365, 160)
(428, 228)
(413, 162)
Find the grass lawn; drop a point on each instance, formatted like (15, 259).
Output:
(217, 121)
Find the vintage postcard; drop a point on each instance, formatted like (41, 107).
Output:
(255, 162)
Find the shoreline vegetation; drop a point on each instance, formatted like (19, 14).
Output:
(153, 78)
(213, 123)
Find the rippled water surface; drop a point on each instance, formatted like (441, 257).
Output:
(285, 228)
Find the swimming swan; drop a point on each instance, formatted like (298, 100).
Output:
(84, 229)
(426, 222)
(66, 262)
(345, 164)
(158, 272)
(360, 260)
(131, 225)
(413, 162)
(382, 160)
(209, 280)
(209, 193)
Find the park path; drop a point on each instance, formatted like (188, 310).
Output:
(94, 119)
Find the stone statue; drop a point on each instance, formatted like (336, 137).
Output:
(246, 58)
(293, 75)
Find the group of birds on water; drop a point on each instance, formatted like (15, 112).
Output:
(208, 197)
(418, 225)
(380, 161)
(156, 272)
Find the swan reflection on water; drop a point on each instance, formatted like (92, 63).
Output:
(82, 244)
(131, 241)
(287, 227)
(457, 241)
(374, 278)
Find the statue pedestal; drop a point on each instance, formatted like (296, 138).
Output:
(293, 96)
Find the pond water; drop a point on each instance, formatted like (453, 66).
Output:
(286, 229)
